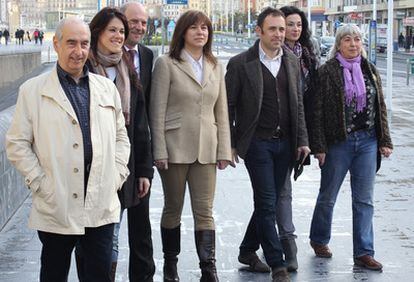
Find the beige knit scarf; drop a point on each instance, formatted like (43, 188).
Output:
(122, 80)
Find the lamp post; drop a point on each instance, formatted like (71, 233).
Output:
(248, 19)
(310, 14)
(389, 52)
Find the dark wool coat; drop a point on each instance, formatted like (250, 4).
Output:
(244, 84)
(140, 161)
(328, 123)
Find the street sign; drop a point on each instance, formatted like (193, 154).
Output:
(170, 30)
(177, 2)
(372, 42)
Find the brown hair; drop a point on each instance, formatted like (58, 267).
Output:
(101, 20)
(183, 24)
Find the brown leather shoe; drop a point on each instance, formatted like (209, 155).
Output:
(321, 251)
(254, 262)
(280, 274)
(368, 262)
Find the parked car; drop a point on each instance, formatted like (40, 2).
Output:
(325, 43)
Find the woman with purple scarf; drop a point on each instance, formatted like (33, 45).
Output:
(349, 134)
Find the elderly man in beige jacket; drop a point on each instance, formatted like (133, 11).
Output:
(68, 139)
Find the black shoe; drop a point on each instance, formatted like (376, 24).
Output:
(290, 250)
(171, 248)
(254, 262)
(206, 250)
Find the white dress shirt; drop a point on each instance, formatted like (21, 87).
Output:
(137, 63)
(272, 64)
(197, 66)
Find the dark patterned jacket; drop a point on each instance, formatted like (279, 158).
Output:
(328, 122)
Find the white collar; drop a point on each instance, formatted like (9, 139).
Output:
(135, 48)
(192, 60)
(264, 56)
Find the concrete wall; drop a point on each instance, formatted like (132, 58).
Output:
(12, 189)
(16, 64)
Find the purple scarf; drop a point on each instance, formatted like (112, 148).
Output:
(354, 81)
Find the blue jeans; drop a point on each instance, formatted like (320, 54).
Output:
(358, 155)
(115, 238)
(269, 163)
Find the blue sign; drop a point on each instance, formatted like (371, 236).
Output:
(170, 30)
(177, 2)
(372, 42)
(155, 23)
(337, 24)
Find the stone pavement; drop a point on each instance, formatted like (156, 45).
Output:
(394, 229)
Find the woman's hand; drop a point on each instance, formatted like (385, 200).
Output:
(235, 158)
(143, 186)
(161, 164)
(385, 151)
(222, 164)
(321, 159)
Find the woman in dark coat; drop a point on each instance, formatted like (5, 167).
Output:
(349, 130)
(297, 40)
(109, 29)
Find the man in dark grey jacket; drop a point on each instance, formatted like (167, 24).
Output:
(269, 132)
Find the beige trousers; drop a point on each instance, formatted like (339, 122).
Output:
(201, 179)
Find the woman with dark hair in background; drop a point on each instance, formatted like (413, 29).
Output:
(191, 136)
(297, 40)
(107, 57)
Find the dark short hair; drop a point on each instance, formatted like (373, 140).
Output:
(101, 20)
(269, 11)
(183, 24)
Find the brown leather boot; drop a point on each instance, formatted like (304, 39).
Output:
(206, 250)
(171, 248)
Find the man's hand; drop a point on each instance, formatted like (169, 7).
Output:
(222, 164)
(143, 186)
(385, 151)
(235, 158)
(321, 159)
(303, 150)
(161, 164)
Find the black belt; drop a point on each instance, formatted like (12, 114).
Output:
(267, 133)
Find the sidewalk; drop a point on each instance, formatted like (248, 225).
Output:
(394, 232)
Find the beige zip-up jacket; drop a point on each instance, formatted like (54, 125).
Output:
(45, 144)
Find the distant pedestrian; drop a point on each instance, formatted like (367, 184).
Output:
(349, 134)
(36, 35)
(41, 34)
(28, 36)
(408, 42)
(1, 35)
(16, 36)
(6, 35)
(21, 36)
(401, 39)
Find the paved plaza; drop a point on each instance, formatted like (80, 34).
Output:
(394, 228)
